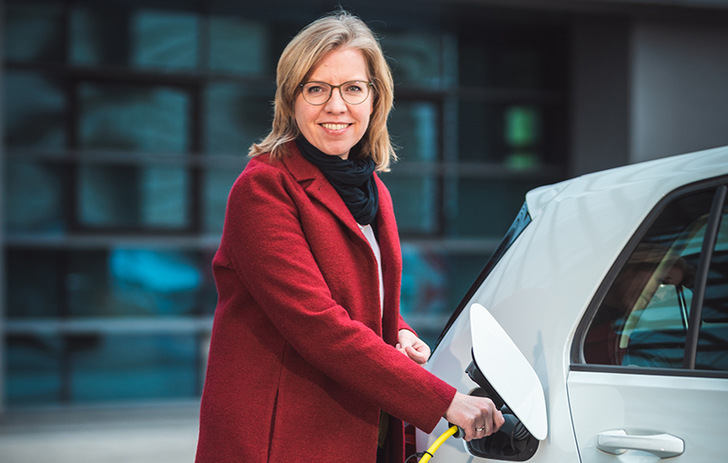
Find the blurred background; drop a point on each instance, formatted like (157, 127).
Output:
(125, 122)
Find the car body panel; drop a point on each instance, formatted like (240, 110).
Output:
(691, 409)
(542, 286)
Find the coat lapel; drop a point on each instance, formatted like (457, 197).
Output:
(318, 188)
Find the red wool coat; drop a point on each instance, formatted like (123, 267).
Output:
(301, 362)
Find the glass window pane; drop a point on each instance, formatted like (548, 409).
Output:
(713, 342)
(130, 196)
(418, 58)
(217, 184)
(464, 269)
(164, 39)
(208, 297)
(480, 128)
(33, 200)
(510, 135)
(424, 291)
(134, 118)
(484, 206)
(476, 62)
(100, 36)
(136, 38)
(113, 367)
(236, 117)
(522, 136)
(424, 281)
(415, 201)
(34, 283)
(413, 127)
(34, 111)
(644, 317)
(238, 46)
(33, 31)
(33, 369)
(155, 282)
(433, 283)
(500, 58)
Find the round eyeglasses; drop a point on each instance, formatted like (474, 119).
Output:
(352, 92)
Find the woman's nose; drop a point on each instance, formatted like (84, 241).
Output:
(336, 103)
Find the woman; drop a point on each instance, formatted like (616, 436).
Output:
(309, 358)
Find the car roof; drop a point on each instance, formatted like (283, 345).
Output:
(578, 229)
(650, 179)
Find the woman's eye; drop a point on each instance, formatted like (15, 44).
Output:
(314, 89)
(354, 88)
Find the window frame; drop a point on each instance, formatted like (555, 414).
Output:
(577, 359)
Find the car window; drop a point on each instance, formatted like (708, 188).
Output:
(646, 316)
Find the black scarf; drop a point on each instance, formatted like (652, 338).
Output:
(352, 179)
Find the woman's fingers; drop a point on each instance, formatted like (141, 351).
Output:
(477, 416)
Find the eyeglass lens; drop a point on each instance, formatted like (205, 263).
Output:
(318, 93)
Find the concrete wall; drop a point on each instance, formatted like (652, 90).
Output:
(600, 94)
(679, 88)
(646, 88)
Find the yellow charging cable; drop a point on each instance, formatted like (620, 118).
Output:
(453, 430)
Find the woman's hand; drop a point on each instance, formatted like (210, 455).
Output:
(412, 346)
(477, 416)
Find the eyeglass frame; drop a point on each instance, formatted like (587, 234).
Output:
(369, 86)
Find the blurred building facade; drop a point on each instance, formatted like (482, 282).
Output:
(125, 123)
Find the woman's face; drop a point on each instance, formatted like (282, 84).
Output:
(336, 126)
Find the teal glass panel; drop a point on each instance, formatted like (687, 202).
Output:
(131, 196)
(522, 126)
(33, 369)
(133, 118)
(100, 37)
(464, 268)
(34, 283)
(522, 136)
(209, 290)
(134, 282)
(476, 63)
(413, 127)
(33, 199)
(415, 201)
(139, 38)
(486, 207)
(155, 281)
(239, 46)
(33, 31)
(499, 59)
(510, 135)
(34, 111)
(434, 282)
(424, 281)
(236, 117)
(164, 39)
(417, 58)
(117, 367)
(523, 68)
(480, 132)
(217, 184)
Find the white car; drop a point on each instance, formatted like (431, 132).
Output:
(600, 324)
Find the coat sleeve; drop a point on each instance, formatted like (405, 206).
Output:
(269, 251)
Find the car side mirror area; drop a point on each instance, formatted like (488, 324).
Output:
(504, 375)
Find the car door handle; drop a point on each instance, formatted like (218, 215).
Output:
(618, 441)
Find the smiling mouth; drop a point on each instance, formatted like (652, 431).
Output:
(330, 126)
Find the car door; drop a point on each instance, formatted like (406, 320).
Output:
(649, 365)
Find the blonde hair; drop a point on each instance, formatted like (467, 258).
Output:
(338, 30)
